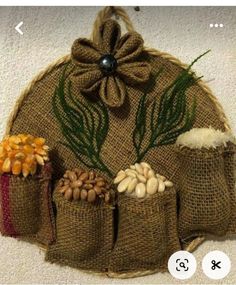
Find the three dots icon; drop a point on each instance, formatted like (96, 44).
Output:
(216, 25)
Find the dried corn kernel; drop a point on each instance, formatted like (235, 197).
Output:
(6, 167)
(16, 167)
(39, 141)
(22, 154)
(25, 169)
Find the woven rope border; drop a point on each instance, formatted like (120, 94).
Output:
(102, 15)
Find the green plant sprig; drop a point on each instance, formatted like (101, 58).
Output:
(84, 125)
(168, 119)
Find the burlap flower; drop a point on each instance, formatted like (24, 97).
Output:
(111, 64)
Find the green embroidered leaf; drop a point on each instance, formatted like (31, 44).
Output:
(167, 120)
(84, 125)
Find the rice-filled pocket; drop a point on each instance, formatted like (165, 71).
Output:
(205, 195)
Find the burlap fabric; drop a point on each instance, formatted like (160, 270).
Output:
(131, 68)
(230, 174)
(117, 150)
(84, 234)
(26, 209)
(147, 233)
(205, 206)
(121, 123)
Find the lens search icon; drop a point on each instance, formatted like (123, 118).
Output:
(181, 264)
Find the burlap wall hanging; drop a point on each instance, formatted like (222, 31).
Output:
(111, 112)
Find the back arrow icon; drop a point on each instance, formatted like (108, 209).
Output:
(17, 28)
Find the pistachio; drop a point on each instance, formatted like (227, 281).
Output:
(98, 179)
(91, 184)
(88, 186)
(91, 196)
(63, 189)
(72, 176)
(76, 184)
(68, 194)
(91, 175)
(97, 189)
(100, 183)
(107, 197)
(76, 194)
(83, 194)
(78, 171)
(84, 176)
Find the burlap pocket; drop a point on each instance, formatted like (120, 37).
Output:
(84, 234)
(26, 206)
(205, 206)
(230, 174)
(147, 232)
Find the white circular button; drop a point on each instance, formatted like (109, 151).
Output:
(216, 265)
(182, 264)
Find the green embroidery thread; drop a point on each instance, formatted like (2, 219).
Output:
(166, 121)
(83, 125)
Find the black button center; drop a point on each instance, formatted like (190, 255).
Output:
(108, 63)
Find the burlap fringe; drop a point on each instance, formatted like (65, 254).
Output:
(106, 13)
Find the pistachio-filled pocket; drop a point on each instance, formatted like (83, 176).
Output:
(147, 232)
(205, 202)
(25, 205)
(84, 222)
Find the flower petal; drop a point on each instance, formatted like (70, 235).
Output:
(112, 91)
(87, 79)
(85, 51)
(134, 72)
(109, 36)
(130, 47)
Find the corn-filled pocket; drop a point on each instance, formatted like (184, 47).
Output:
(25, 189)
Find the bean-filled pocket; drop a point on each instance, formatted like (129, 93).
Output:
(204, 194)
(84, 234)
(147, 232)
(24, 211)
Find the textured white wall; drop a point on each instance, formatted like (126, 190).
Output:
(49, 33)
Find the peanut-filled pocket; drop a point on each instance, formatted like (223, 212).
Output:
(84, 234)
(25, 206)
(147, 232)
(205, 200)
